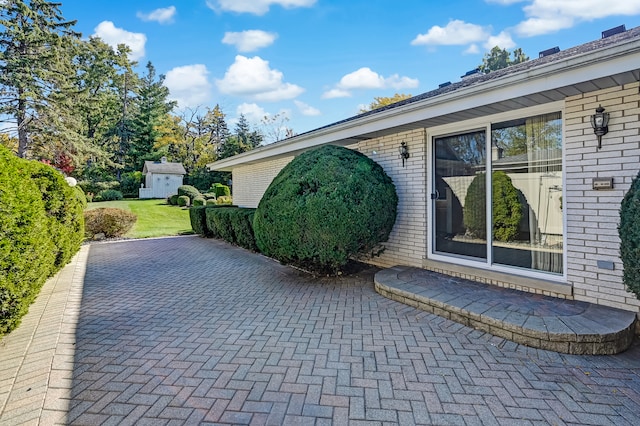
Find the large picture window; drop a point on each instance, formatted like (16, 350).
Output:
(500, 202)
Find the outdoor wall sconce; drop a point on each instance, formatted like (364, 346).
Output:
(600, 122)
(404, 152)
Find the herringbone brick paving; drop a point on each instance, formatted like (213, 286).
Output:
(195, 331)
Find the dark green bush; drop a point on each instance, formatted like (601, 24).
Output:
(199, 201)
(212, 229)
(108, 195)
(130, 184)
(189, 191)
(209, 195)
(173, 200)
(326, 206)
(222, 224)
(242, 224)
(109, 221)
(198, 218)
(183, 201)
(40, 219)
(507, 208)
(220, 190)
(629, 231)
(64, 206)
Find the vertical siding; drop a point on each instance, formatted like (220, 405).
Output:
(251, 181)
(593, 216)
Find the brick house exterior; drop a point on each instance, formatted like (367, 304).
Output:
(533, 123)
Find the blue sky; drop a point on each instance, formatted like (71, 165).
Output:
(319, 61)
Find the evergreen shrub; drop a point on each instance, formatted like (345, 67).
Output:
(198, 218)
(173, 199)
(507, 208)
(242, 223)
(108, 195)
(40, 229)
(111, 222)
(325, 207)
(183, 201)
(629, 231)
(189, 191)
(199, 201)
(220, 190)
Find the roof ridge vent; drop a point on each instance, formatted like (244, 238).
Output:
(613, 31)
(471, 73)
(548, 52)
(440, 86)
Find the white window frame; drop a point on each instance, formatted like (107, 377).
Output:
(475, 125)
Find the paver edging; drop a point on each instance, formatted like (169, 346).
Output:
(575, 335)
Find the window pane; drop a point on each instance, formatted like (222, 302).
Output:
(460, 190)
(527, 193)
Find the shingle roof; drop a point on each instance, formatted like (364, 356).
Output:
(165, 168)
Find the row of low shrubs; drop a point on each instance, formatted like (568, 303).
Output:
(230, 223)
(190, 196)
(41, 228)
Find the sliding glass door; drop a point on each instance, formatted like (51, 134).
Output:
(499, 202)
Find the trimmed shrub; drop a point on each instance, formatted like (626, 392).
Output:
(242, 225)
(109, 221)
(40, 229)
(209, 196)
(326, 206)
(189, 191)
(224, 200)
(629, 231)
(108, 195)
(198, 218)
(220, 190)
(507, 208)
(173, 200)
(222, 224)
(199, 201)
(183, 201)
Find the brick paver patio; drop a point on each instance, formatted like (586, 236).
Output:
(194, 331)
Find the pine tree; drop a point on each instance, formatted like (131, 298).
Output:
(151, 107)
(35, 52)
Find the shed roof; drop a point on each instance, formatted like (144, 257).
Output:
(166, 168)
(600, 64)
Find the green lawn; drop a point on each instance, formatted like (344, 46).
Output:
(155, 217)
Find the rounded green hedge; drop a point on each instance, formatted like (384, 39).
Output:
(188, 191)
(326, 206)
(629, 231)
(506, 207)
(41, 227)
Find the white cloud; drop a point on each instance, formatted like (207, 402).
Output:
(336, 93)
(189, 85)
(307, 109)
(548, 16)
(163, 15)
(252, 112)
(250, 40)
(455, 33)
(114, 36)
(365, 78)
(252, 77)
(502, 40)
(473, 49)
(257, 7)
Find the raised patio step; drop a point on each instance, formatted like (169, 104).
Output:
(545, 322)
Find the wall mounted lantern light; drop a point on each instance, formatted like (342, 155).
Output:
(404, 152)
(600, 122)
